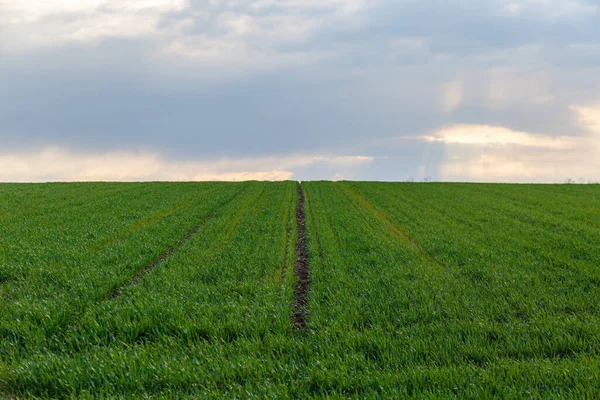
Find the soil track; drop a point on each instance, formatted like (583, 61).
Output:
(162, 258)
(301, 268)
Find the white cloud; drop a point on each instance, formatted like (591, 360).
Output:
(589, 116)
(487, 135)
(35, 23)
(504, 167)
(206, 41)
(499, 154)
(57, 164)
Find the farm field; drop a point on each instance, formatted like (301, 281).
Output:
(175, 290)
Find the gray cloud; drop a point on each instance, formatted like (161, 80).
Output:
(210, 80)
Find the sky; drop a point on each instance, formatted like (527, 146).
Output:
(392, 90)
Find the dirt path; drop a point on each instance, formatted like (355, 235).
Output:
(300, 307)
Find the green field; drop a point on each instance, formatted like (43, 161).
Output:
(176, 290)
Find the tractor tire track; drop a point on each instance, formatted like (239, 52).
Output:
(161, 259)
(71, 322)
(167, 253)
(171, 250)
(301, 268)
(402, 236)
(120, 289)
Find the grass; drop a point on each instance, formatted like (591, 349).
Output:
(416, 290)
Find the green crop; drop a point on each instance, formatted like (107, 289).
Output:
(165, 290)
(456, 290)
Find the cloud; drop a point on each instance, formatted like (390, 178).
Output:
(589, 116)
(59, 164)
(492, 153)
(55, 164)
(485, 135)
(196, 81)
(550, 8)
(523, 168)
(223, 33)
(36, 23)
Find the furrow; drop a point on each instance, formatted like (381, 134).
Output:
(301, 268)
